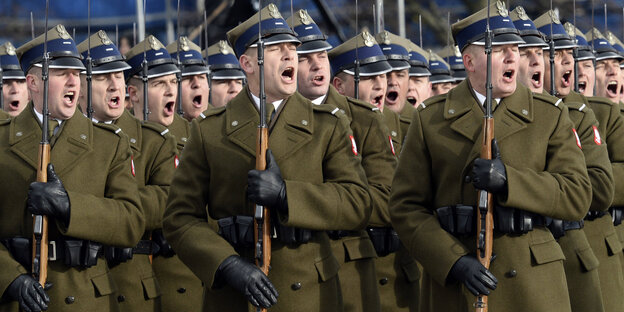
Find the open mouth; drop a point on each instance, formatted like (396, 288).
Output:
(508, 75)
(566, 78)
(169, 108)
(412, 100)
(197, 101)
(114, 101)
(536, 79)
(68, 98)
(14, 105)
(392, 96)
(612, 88)
(288, 74)
(377, 101)
(318, 80)
(582, 85)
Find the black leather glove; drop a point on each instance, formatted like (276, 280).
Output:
(474, 275)
(266, 187)
(29, 293)
(249, 280)
(490, 174)
(49, 198)
(164, 249)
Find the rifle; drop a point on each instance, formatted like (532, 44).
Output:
(89, 64)
(262, 217)
(209, 75)
(1, 88)
(485, 221)
(551, 54)
(40, 222)
(356, 71)
(179, 73)
(575, 50)
(144, 72)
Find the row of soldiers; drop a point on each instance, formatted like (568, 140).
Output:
(157, 214)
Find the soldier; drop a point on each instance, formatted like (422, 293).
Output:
(226, 76)
(395, 50)
(441, 79)
(91, 197)
(531, 63)
(608, 82)
(177, 286)
(216, 180)
(195, 89)
(619, 46)
(419, 86)
(584, 62)
(532, 175)
(14, 91)
(154, 154)
(373, 80)
(354, 250)
(452, 56)
(581, 263)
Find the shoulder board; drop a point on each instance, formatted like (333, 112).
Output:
(581, 107)
(110, 127)
(600, 100)
(211, 112)
(547, 98)
(327, 108)
(162, 130)
(440, 98)
(363, 104)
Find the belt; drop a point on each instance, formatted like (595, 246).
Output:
(145, 247)
(616, 215)
(593, 215)
(338, 234)
(56, 252)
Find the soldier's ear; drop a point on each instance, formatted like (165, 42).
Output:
(32, 82)
(339, 85)
(468, 62)
(246, 63)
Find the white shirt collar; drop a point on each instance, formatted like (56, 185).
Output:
(256, 99)
(40, 117)
(97, 121)
(319, 100)
(481, 97)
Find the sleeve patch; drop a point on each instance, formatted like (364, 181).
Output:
(597, 137)
(578, 140)
(353, 145)
(176, 161)
(391, 146)
(132, 166)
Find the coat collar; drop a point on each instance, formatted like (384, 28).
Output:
(74, 141)
(132, 128)
(293, 127)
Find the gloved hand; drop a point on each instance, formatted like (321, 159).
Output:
(474, 275)
(49, 198)
(266, 187)
(165, 249)
(29, 293)
(249, 280)
(490, 174)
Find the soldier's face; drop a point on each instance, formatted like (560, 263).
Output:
(608, 79)
(586, 77)
(280, 70)
(63, 90)
(372, 89)
(107, 95)
(418, 90)
(396, 93)
(504, 68)
(531, 68)
(441, 88)
(162, 93)
(15, 95)
(224, 90)
(313, 74)
(194, 95)
(564, 71)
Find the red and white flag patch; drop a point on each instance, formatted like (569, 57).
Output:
(353, 145)
(391, 146)
(578, 140)
(132, 166)
(597, 137)
(176, 161)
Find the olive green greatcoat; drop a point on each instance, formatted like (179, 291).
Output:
(546, 174)
(405, 116)
(4, 115)
(325, 185)
(153, 152)
(94, 163)
(180, 289)
(355, 253)
(393, 122)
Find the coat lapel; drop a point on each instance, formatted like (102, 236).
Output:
(133, 130)
(293, 127)
(242, 120)
(25, 136)
(514, 113)
(74, 142)
(462, 106)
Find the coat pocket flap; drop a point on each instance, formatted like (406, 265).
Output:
(359, 248)
(150, 287)
(327, 267)
(411, 270)
(546, 252)
(103, 285)
(588, 259)
(613, 244)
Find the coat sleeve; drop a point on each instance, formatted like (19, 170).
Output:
(342, 201)
(185, 224)
(615, 145)
(410, 209)
(157, 181)
(562, 190)
(93, 217)
(11, 269)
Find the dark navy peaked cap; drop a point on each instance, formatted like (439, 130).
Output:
(310, 35)
(105, 57)
(61, 49)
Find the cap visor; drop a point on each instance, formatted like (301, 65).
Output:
(459, 75)
(417, 71)
(227, 74)
(313, 46)
(441, 78)
(161, 70)
(13, 74)
(398, 64)
(564, 44)
(500, 39)
(65, 62)
(608, 55)
(278, 38)
(372, 69)
(533, 41)
(110, 67)
(196, 69)
(585, 55)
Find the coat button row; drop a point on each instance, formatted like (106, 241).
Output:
(383, 281)
(181, 290)
(121, 298)
(295, 286)
(70, 299)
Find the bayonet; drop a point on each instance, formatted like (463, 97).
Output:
(179, 73)
(575, 49)
(89, 65)
(551, 54)
(144, 75)
(356, 70)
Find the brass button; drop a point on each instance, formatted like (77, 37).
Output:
(70, 299)
(181, 290)
(383, 281)
(295, 286)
